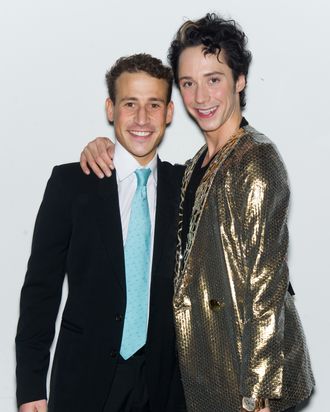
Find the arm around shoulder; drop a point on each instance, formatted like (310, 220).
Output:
(35, 406)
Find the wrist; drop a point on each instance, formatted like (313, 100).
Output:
(254, 404)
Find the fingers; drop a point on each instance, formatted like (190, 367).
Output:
(87, 162)
(83, 163)
(110, 150)
(97, 155)
(42, 406)
(103, 154)
(35, 406)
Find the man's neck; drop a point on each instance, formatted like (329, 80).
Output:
(216, 139)
(125, 163)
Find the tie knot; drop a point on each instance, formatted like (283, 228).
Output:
(142, 176)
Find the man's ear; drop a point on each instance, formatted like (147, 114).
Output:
(109, 107)
(240, 83)
(169, 112)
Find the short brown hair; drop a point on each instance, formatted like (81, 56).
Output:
(139, 63)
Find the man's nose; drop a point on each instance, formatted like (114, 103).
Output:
(201, 95)
(142, 116)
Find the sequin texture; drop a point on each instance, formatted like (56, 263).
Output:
(237, 327)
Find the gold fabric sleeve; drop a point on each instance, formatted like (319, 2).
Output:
(238, 332)
(262, 198)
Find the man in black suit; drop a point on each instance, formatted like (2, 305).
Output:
(81, 229)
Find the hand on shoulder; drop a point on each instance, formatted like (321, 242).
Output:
(35, 406)
(97, 155)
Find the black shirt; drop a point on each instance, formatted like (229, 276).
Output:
(195, 180)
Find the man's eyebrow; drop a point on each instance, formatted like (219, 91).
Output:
(135, 99)
(204, 75)
(212, 73)
(125, 98)
(185, 78)
(156, 99)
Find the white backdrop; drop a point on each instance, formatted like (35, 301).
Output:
(53, 59)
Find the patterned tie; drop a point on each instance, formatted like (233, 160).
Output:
(137, 257)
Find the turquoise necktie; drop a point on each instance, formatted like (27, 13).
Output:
(137, 258)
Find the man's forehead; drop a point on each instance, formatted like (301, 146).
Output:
(140, 83)
(200, 53)
(195, 62)
(139, 75)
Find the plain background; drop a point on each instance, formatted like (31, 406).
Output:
(53, 59)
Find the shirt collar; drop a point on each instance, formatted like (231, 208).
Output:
(244, 122)
(126, 164)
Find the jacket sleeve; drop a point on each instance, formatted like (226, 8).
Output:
(264, 197)
(41, 292)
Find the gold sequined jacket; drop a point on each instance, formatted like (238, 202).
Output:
(237, 328)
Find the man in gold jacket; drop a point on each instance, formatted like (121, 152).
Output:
(239, 338)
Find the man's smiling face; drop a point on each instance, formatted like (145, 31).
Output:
(208, 90)
(140, 113)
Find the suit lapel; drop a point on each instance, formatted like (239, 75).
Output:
(202, 192)
(166, 198)
(108, 218)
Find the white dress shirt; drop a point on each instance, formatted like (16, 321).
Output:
(126, 165)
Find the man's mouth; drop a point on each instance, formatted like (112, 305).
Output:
(141, 133)
(206, 113)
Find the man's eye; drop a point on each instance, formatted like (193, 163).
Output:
(214, 80)
(129, 104)
(155, 105)
(186, 84)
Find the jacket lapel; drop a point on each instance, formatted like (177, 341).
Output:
(108, 218)
(200, 198)
(109, 222)
(166, 203)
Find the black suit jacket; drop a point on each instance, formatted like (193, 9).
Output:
(78, 233)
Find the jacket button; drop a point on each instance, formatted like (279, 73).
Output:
(113, 353)
(216, 305)
(119, 317)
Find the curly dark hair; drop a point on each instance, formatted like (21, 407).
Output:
(139, 63)
(215, 34)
